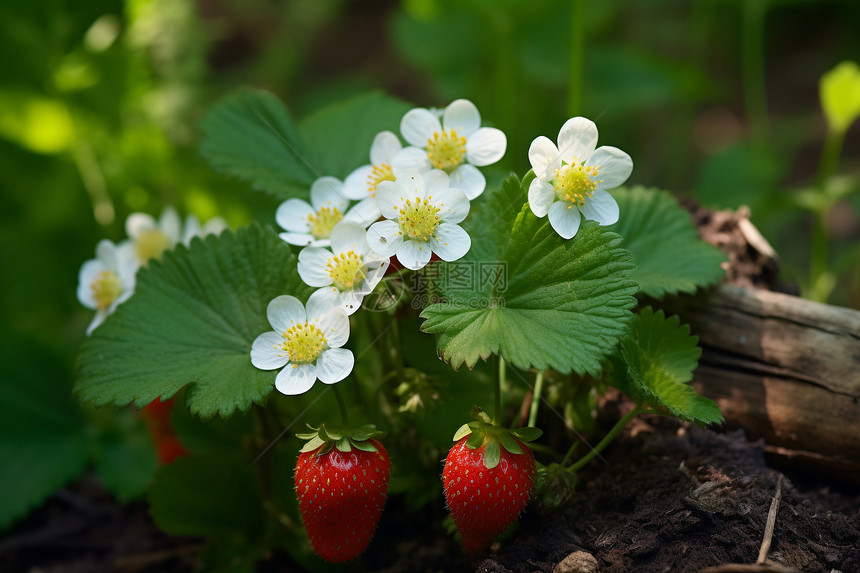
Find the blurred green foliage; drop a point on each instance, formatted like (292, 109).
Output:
(100, 102)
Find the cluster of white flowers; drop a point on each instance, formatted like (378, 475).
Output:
(421, 192)
(109, 279)
(409, 203)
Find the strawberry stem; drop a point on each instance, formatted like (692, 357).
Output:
(500, 376)
(536, 392)
(607, 439)
(342, 406)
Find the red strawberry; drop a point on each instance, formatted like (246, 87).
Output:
(167, 444)
(488, 480)
(342, 482)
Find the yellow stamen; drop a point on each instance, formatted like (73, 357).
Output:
(323, 221)
(574, 183)
(106, 288)
(151, 244)
(446, 150)
(380, 173)
(303, 343)
(346, 270)
(419, 220)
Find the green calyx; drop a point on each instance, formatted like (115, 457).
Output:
(344, 439)
(483, 432)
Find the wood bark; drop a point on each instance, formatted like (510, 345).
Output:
(785, 369)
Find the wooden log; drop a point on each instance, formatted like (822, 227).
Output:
(785, 369)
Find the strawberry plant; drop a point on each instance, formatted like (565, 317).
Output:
(400, 293)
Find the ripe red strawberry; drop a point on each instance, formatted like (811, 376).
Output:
(167, 444)
(342, 482)
(488, 480)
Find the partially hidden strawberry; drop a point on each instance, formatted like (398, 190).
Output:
(488, 479)
(157, 417)
(341, 482)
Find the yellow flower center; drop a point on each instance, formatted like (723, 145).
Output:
(380, 173)
(151, 244)
(106, 288)
(575, 182)
(446, 150)
(346, 270)
(303, 343)
(323, 221)
(419, 219)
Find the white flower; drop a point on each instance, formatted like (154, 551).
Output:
(574, 174)
(457, 145)
(193, 228)
(422, 213)
(151, 238)
(107, 280)
(312, 224)
(350, 266)
(305, 343)
(361, 184)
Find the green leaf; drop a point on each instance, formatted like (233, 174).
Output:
(553, 303)
(339, 136)
(191, 322)
(363, 446)
(509, 443)
(840, 95)
(661, 355)
(43, 441)
(126, 460)
(462, 432)
(492, 454)
(667, 251)
(528, 434)
(250, 135)
(208, 495)
(216, 434)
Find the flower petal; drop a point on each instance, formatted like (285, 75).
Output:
(86, 276)
(364, 212)
(321, 303)
(384, 237)
(486, 146)
(267, 351)
(412, 183)
(99, 318)
(564, 218)
(544, 157)
(469, 180)
(414, 254)
(302, 240)
(171, 225)
(328, 192)
(410, 158)
(541, 196)
(284, 311)
(577, 139)
(434, 181)
(136, 223)
(418, 126)
(389, 196)
(355, 184)
(312, 266)
(613, 166)
(350, 301)
(293, 215)
(451, 242)
(601, 208)
(348, 236)
(375, 267)
(384, 147)
(462, 116)
(453, 204)
(334, 365)
(296, 379)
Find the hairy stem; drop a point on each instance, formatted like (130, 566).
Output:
(536, 398)
(607, 439)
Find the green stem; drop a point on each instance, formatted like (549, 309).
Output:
(819, 247)
(533, 410)
(341, 405)
(755, 98)
(577, 57)
(607, 439)
(497, 389)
